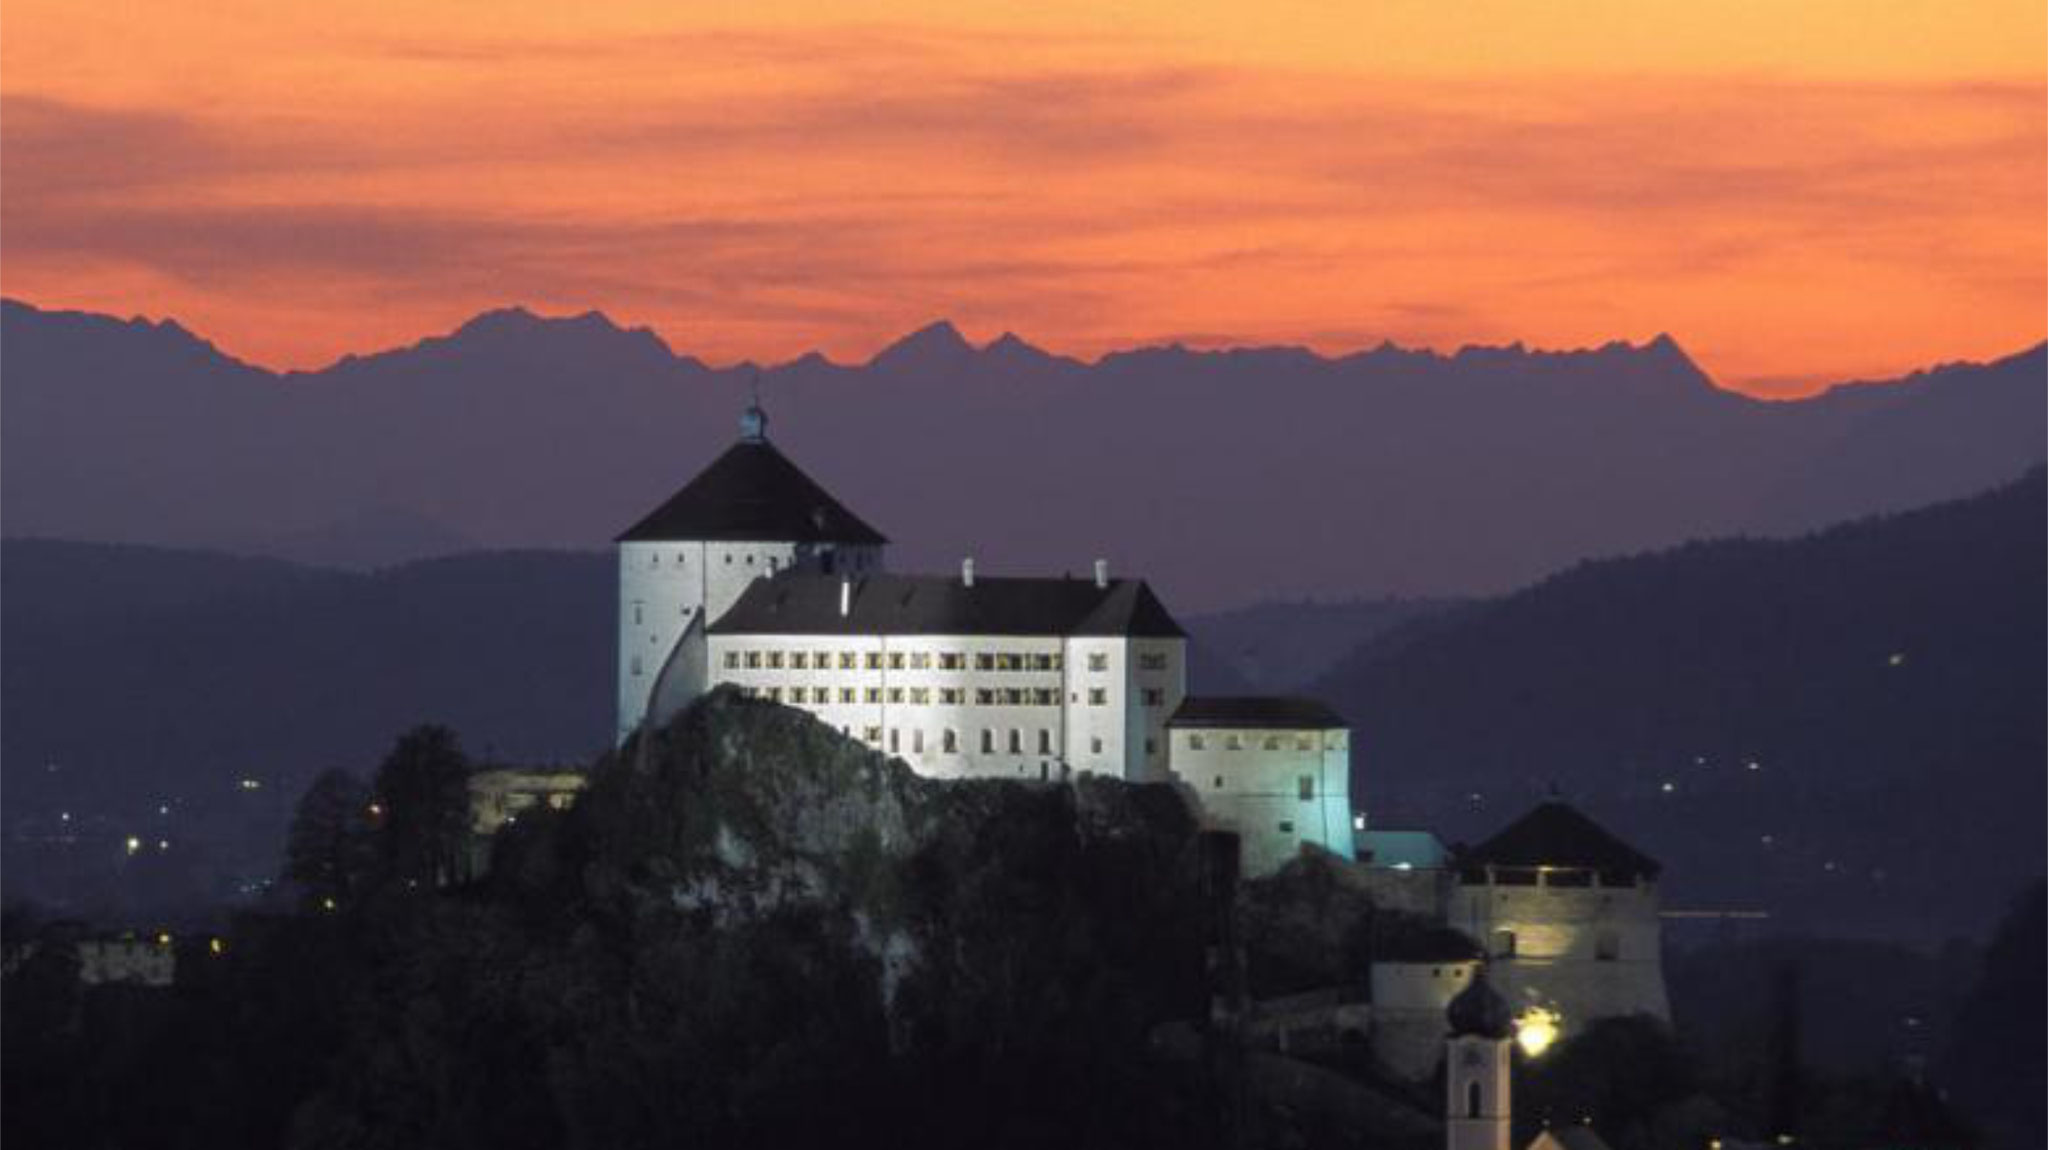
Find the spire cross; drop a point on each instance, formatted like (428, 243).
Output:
(754, 420)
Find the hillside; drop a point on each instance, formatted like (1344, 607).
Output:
(1228, 478)
(137, 677)
(1844, 729)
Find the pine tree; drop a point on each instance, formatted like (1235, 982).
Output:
(329, 852)
(422, 793)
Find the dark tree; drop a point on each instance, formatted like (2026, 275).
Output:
(422, 795)
(1997, 1067)
(1786, 1099)
(330, 852)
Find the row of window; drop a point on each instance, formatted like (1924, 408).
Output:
(1307, 789)
(946, 696)
(914, 660)
(993, 741)
(1233, 742)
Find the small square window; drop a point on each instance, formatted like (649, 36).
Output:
(1095, 745)
(1286, 826)
(1308, 787)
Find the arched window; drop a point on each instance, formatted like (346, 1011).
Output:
(1473, 1095)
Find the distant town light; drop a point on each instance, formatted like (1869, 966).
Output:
(64, 816)
(1755, 766)
(327, 904)
(1669, 786)
(1536, 1030)
(252, 784)
(216, 947)
(1357, 822)
(163, 844)
(163, 809)
(1898, 659)
(163, 938)
(134, 844)
(376, 810)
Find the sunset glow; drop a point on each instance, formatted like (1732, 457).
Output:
(1798, 193)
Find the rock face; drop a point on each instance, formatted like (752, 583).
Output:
(742, 817)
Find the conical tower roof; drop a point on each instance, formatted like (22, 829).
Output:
(752, 493)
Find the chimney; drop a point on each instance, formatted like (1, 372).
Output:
(1102, 573)
(845, 596)
(967, 572)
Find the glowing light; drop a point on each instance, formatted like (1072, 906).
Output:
(376, 810)
(64, 816)
(326, 904)
(1670, 787)
(134, 844)
(164, 809)
(163, 938)
(216, 947)
(1898, 659)
(1536, 1029)
(163, 844)
(252, 784)
(1357, 822)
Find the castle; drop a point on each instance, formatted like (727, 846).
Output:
(753, 576)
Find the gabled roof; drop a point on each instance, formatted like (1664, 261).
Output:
(1248, 712)
(807, 603)
(752, 493)
(1556, 834)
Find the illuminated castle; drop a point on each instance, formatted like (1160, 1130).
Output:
(753, 575)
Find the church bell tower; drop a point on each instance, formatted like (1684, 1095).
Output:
(1477, 1065)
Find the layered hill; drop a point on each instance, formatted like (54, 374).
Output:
(1224, 477)
(1845, 729)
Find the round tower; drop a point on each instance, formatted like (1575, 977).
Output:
(1477, 1067)
(750, 515)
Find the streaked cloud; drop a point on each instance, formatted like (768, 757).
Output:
(761, 192)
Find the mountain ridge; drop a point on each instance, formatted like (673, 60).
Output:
(1226, 476)
(943, 337)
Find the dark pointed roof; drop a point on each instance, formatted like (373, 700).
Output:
(1479, 1010)
(1556, 834)
(1247, 712)
(807, 603)
(753, 493)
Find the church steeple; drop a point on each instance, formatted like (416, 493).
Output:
(1477, 1069)
(754, 420)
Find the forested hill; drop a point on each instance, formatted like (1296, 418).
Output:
(1846, 729)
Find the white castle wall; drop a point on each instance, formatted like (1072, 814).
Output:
(1587, 952)
(1277, 789)
(1408, 1001)
(663, 586)
(1013, 706)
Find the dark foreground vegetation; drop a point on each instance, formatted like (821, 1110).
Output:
(758, 933)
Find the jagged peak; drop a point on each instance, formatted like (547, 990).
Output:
(936, 339)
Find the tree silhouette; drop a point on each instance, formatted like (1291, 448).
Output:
(330, 852)
(422, 797)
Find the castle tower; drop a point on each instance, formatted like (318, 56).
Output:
(1477, 1065)
(749, 515)
(1568, 916)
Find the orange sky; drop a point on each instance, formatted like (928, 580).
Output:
(1798, 192)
